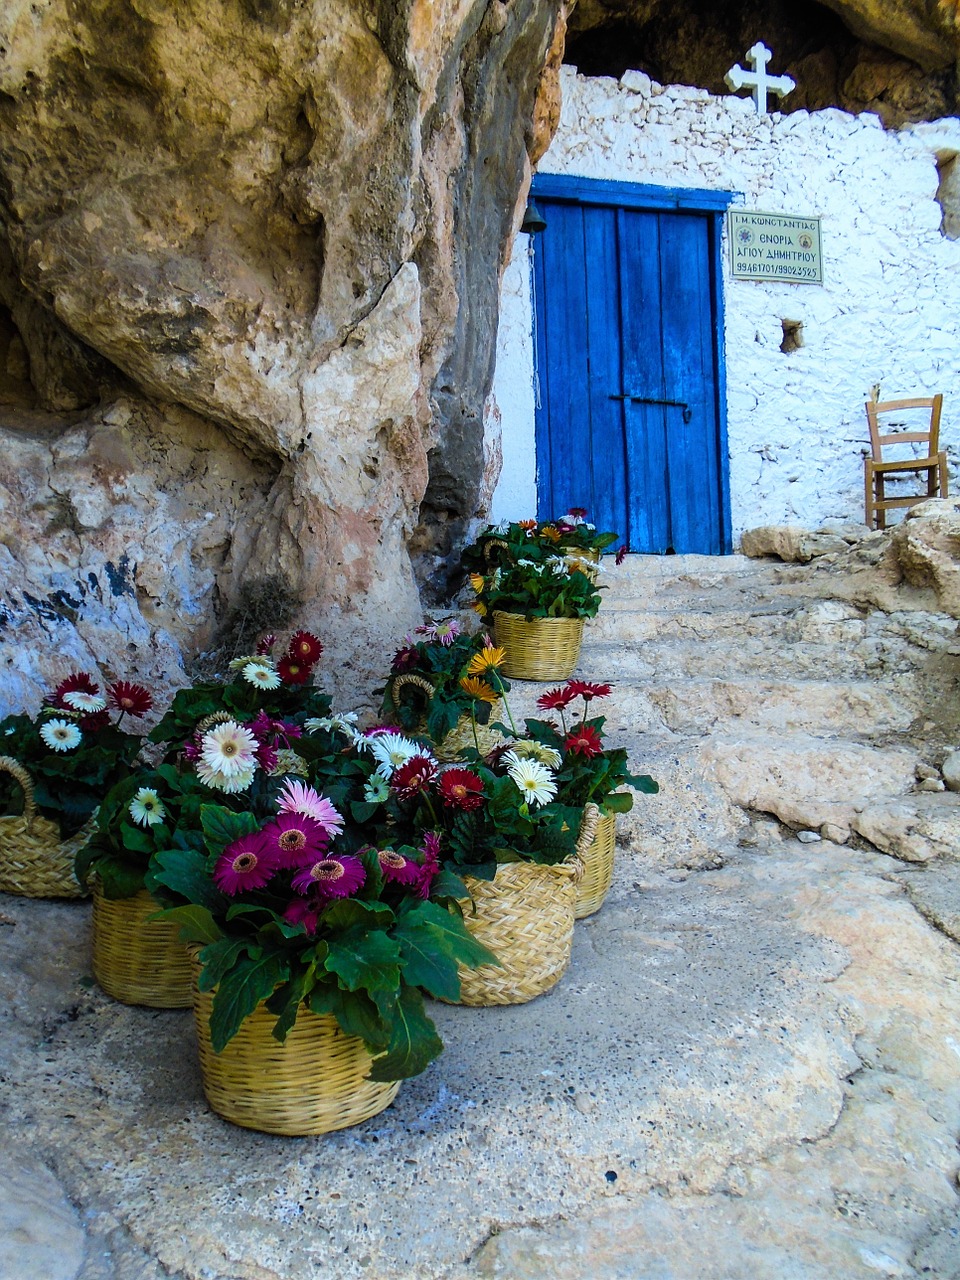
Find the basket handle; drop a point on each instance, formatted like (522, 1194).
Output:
(215, 717)
(489, 543)
(588, 828)
(14, 767)
(410, 677)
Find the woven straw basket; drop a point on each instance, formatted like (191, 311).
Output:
(542, 649)
(34, 861)
(312, 1083)
(525, 917)
(137, 960)
(587, 562)
(461, 735)
(596, 847)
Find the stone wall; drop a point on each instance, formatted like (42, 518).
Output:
(886, 314)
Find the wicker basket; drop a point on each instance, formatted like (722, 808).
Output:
(596, 846)
(588, 562)
(542, 649)
(137, 960)
(314, 1082)
(460, 736)
(34, 861)
(525, 917)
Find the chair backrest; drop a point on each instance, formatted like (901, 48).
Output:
(930, 437)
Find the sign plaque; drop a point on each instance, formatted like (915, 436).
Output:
(775, 246)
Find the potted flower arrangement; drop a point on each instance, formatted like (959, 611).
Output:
(313, 949)
(226, 736)
(590, 778)
(446, 688)
(56, 770)
(537, 607)
(507, 846)
(572, 536)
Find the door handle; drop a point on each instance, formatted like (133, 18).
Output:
(677, 404)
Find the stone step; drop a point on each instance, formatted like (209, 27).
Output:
(662, 659)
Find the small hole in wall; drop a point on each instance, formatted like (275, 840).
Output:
(792, 335)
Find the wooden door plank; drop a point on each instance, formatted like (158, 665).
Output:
(606, 454)
(641, 302)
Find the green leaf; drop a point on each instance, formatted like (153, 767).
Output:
(222, 826)
(618, 802)
(135, 839)
(448, 933)
(196, 923)
(447, 884)
(348, 912)
(363, 810)
(218, 958)
(118, 878)
(185, 872)
(240, 991)
(286, 1000)
(414, 1042)
(365, 959)
(355, 1012)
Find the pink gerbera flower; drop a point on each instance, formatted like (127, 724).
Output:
(295, 840)
(331, 877)
(621, 554)
(246, 863)
(305, 911)
(297, 797)
(414, 776)
(430, 866)
(265, 645)
(395, 866)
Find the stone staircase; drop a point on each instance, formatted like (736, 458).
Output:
(746, 687)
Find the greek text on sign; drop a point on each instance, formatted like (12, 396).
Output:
(775, 246)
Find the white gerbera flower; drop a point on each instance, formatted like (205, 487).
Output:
(528, 750)
(391, 750)
(146, 808)
(536, 782)
(343, 722)
(88, 703)
(262, 674)
(229, 749)
(231, 784)
(61, 735)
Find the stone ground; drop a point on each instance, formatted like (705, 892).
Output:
(750, 1072)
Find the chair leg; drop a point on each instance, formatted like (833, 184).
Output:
(881, 498)
(868, 492)
(942, 470)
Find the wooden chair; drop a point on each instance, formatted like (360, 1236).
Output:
(933, 460)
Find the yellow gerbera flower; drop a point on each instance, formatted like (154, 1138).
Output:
(478, 689)
(548, 531)
(480, 608)
(486, 660)
(478, 582)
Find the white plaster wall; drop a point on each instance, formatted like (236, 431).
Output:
(888, 312)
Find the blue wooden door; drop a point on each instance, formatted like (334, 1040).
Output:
(629, 418)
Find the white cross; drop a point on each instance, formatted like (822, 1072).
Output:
(757, 79)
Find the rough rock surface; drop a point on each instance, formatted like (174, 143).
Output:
(289, 221)
(752, 1061)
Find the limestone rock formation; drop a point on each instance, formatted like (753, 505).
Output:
(288, 221)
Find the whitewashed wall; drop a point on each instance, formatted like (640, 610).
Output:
(888, 313)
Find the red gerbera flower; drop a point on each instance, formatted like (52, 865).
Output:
(133, 699)
(413, 776)
(244, 864)
(265, 645)
(295, 840)
(76, 682)
(585, 740)
(94, 722)
(395, 866)
(293, 671)
(331, 877)
(461, 789)
(405, 659)
(621, 554)
(587, 690)
(578, 513)
(556, 699)
(304, 647)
